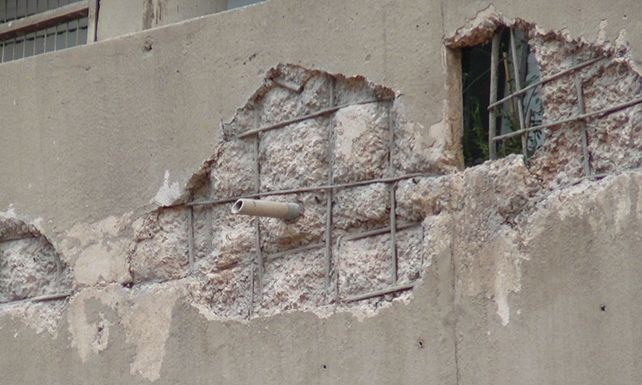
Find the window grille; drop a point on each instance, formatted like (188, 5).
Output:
(33, 27)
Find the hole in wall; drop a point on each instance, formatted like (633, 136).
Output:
(476, 97)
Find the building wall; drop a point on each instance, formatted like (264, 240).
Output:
(100, 135)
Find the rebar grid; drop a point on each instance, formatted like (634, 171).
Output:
(330, 188)
(582, 116)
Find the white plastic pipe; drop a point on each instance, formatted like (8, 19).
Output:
(259, 208)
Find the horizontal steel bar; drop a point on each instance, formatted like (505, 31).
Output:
(544, 81)
(378, 293)
(271, 257)
(306, 117)
(383, 230)
(310, 189)
(44, 19)
(585, 117)
(16, 237)
(292, 86)
(42, 298)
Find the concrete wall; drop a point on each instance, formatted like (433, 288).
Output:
(530, 282)
(120, 17)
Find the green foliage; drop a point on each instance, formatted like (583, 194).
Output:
(475, 140)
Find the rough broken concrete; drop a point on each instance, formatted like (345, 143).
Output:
(30, 267)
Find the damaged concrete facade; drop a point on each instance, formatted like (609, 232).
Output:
(121, 262)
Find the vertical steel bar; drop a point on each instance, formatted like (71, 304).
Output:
(518, 87)
(328, 219)
(492, 114)
(190, 237)
(582, 110)
(259, 252)
(391, 186)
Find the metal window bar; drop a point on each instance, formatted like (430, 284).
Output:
(492, 114)
(518, 86)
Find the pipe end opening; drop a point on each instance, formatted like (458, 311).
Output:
(237, 207)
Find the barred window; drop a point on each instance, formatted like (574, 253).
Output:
(33, 27)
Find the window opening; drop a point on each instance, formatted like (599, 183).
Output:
(231, 4)
(492, 72)
(33, 27)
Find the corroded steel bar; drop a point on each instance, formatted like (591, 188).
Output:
(589, 115)
(558, 75)
(313, 188)
(378, 293)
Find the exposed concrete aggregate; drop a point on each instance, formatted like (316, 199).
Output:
(278, 235)
(23, 276)
(364, 265)
(29, 264)
(361, 208)
(235, 172)
(233, 239)
(305, 145)
(361, 143)
(161, 250)
(294, 282)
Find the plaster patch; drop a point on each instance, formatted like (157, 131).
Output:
(168, 193)
(97, 251)
(145, 314)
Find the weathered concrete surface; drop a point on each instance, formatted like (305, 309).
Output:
(122, 17)
(298, 347)
(119, 111)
